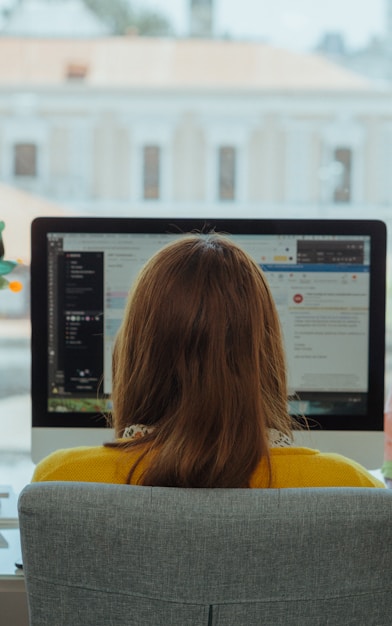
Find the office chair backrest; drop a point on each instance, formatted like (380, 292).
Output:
(98, 554)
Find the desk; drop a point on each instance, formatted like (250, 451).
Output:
(13, 601)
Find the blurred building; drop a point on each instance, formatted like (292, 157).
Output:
(133, 125)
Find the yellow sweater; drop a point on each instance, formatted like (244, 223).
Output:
(291, 467)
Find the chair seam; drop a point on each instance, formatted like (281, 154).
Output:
(209, 603)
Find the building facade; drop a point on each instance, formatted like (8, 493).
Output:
(134, 126)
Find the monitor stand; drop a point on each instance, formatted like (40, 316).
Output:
(365, 447)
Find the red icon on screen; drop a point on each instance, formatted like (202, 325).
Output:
(298, 298)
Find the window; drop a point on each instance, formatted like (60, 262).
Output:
(25, 160)
(342, 166)
(151, 172)
(218, 117)
(227, 173)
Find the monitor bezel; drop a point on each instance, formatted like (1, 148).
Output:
(376, 229)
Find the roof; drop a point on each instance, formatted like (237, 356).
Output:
(142, 62)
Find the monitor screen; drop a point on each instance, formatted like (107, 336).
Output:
(327, 278)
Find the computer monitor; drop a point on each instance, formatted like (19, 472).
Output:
(328, 281)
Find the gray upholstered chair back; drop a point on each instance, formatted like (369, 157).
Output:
(101, 555)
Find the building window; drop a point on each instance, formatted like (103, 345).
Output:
(25, 159)
(343, 165)
(227, 170)
(151, 172)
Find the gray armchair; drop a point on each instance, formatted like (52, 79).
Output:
(101, 555)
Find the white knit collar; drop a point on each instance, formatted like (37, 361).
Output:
(136, 431)
(277, 439)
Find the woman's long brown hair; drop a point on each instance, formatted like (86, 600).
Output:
(199, 356)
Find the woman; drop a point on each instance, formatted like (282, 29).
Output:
(199, 384)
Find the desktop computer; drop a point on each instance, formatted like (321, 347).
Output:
(328, 281)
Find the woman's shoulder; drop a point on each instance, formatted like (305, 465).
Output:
(306, 467)
(85, 463)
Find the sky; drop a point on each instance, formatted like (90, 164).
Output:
(296, 24)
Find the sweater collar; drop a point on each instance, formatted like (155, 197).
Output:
(277, 439)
